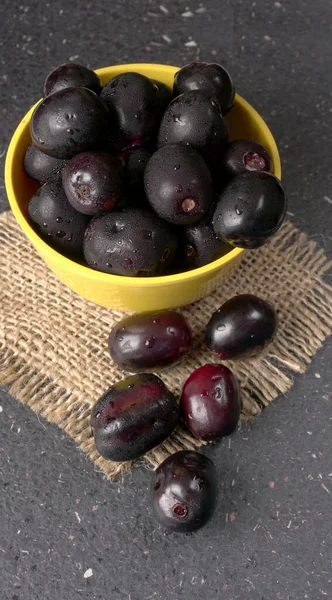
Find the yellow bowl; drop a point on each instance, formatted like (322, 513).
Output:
(131, 293)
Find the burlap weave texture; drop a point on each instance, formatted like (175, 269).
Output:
(53, 344)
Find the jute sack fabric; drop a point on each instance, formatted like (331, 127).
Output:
(53, 344)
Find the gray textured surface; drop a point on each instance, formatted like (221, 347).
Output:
(59, 517)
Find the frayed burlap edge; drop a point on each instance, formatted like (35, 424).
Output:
(303, 330)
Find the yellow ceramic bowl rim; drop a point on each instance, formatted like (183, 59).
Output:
(98, 276)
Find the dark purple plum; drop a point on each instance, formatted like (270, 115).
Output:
(210, 78)
(133, 416)
(245, 155)
(200, 246)
(133, 99)
(149, 341)
(41, 166)
(184, 491)
(241, 327)
(71, 75)
(93, 182)
(210, 403)
(178, 184)
(70, 121)
(135, 162)
(194, 118)
(250, 209)
(165, 96)
(129, 242)
(56, 221)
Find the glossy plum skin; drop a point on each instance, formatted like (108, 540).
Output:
(250, 209)
(184, 491)
(133, 416)
(41, 166)
(241, 327)
(133, 99)
(135, 162)
(56, 221)
(200, 245)
(245, 155)
(194, 118)
(93, 182)
(210, 403)
(149, 341)
(71, 75)
(178, 184)
(129, 242)
(165, 96)
(70, 121)
(210, 78)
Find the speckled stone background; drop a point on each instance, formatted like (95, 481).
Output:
(66, 533)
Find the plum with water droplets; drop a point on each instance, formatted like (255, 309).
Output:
(210, 402)
(133, 416)
(210, 78)
(250, 209)
(129, 242)
(200, 245)
(93, 182)
(71, 75)
(165, 96)
(178, 184)
(135, 161)
(69, 121)
(56, 221)
(184, 491)
(245, 155)
(41, 166)
(194, 118)
(241, 327)
(133, 99)
(149, 341)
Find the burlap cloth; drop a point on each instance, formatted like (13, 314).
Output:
(53, 344)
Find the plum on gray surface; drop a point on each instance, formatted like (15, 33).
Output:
(55, 220)
(210, 403)
(184, 491)
(147, 341)
(194, 118)
(93, 182)
(129, 242)
(133, 416)
(133, 99)
(41, 166)
(71, 75)
(178, 184)
(241, 327)
(250, 209)
(70, 121)
(211, 78)
(245, 155)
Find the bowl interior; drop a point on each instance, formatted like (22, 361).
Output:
(243, 121)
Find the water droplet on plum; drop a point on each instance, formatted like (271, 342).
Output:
(149, 343)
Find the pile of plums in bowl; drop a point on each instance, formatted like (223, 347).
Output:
(139, 412)
(139, 179)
